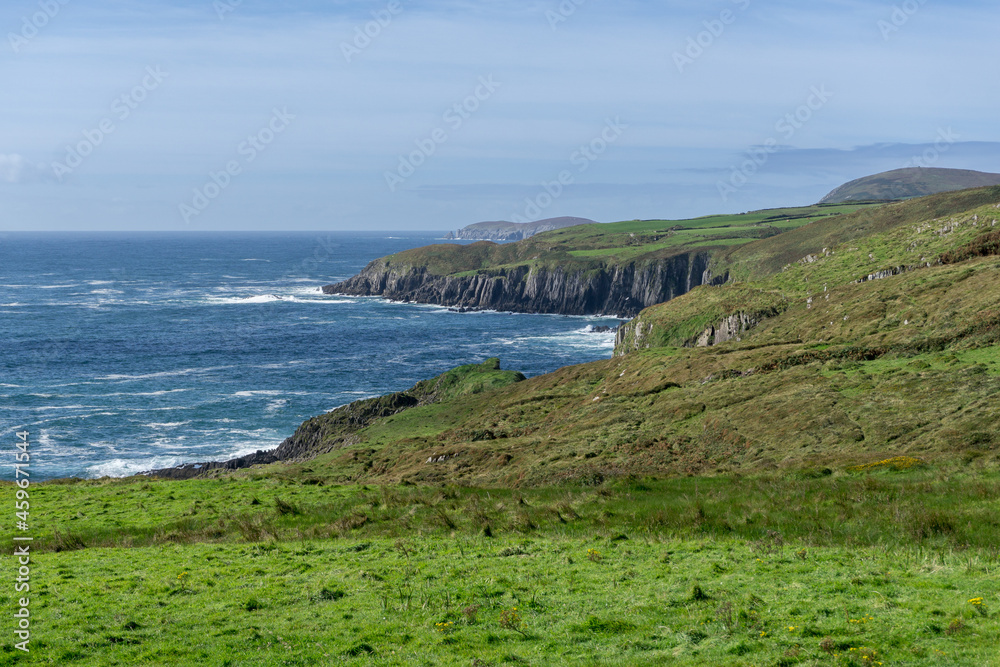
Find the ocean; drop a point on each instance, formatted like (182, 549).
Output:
(126, 352)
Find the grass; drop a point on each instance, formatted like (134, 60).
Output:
(822, 491)
(589, 247)
(631, 572)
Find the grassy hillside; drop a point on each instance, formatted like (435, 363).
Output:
(909, 183)
(849, 372)
(823, 491)
(586, 247)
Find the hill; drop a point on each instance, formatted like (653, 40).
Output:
(909, 183)
(613, 268)
(797, 467)
(514, 231)
(860, 350)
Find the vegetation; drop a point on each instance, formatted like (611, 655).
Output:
(589, 247)
(908, 183)
(823, 490)
(819, 568)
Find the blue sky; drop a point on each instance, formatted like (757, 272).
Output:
(433, 114)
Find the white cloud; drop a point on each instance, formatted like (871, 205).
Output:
(11, 167)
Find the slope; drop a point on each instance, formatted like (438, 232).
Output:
(854, 362)
(909, 183)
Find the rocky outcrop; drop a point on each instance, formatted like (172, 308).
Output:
(338, 428)
(314, 437)
(730, 328)
(669, 326)
(621, 290)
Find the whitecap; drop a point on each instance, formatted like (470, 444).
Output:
(274, 406)
(148, 376)
(128, 467)
(258, 392)
(260, 298)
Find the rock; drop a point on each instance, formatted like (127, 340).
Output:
(621, 290)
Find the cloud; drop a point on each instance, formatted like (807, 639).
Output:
(14, 168)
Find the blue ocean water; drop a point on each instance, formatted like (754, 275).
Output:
(125, 352)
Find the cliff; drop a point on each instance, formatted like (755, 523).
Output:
(621, 290)
(615, 268)
(514, 231)
(707, 316)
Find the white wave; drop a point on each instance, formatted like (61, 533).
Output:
(166, 424)
(260, 298)
(284, 364)
(161, 374)
(12, 305)
(254, 259)
(162, 392)
(100, 282)
(274, 406)
(57, 286)
(258, 392)
(128, 467)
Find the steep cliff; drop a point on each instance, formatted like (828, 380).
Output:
(615, 268)
(621, 290)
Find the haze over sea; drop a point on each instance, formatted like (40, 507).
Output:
(126, 352)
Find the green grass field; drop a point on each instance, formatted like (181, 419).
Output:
(843, 569)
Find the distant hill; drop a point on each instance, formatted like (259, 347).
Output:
(514, 231)
(909, 183)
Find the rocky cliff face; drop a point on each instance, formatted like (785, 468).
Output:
(728, 329)
(639, 333)
(611, 290)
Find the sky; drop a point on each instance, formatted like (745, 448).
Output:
(229, 115)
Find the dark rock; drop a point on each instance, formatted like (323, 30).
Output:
(617, 290)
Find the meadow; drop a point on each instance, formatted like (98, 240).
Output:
(893, 563)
